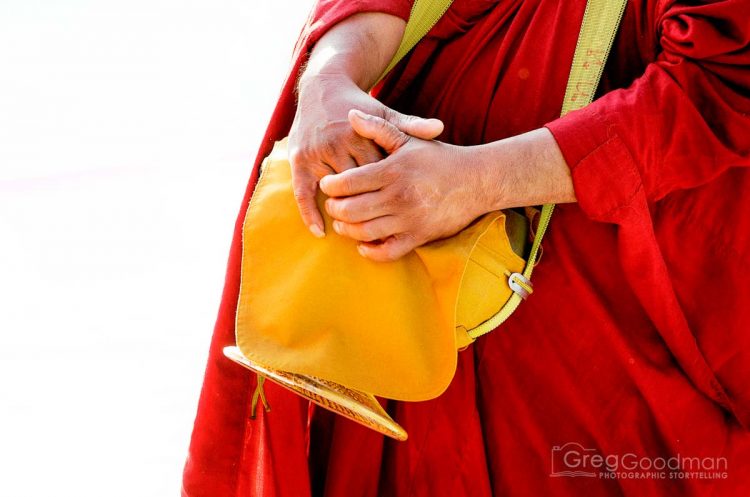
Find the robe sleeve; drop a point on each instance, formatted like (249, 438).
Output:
(680, 130)
(682, 123)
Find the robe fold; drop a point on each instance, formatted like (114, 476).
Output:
(637, 337)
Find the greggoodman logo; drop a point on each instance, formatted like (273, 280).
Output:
(574, 460)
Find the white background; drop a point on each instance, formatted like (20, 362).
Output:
(127, 130)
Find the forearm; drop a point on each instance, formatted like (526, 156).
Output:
(523, 170)
(358, 48)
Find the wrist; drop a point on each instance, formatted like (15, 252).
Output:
(328, 93)
(522, 170)
(479, 192)
(329, 64)
(488, 175)
(317, 79)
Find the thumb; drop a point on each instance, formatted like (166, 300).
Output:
(418, 127)
(378, 130)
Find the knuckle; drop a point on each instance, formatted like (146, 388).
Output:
(393, 134)
(388, 175)
(301, 192)
(364, 151)
(298, 154)
(295, 156)
(356, 232)
(402, 195)
(413, 193)
(391, 204)
(368, 232)
(390, 115)
(398, 119)
(383, 124)
(328, 146)
(391, 174)
(346, 184)
(305, 209)
(303, 199)
(342, 211)
(387, 254)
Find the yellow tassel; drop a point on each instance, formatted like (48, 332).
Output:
(259, 393)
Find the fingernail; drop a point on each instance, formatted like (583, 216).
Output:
(361, 250)
(360, 114)
(337, 227)
(317, 231)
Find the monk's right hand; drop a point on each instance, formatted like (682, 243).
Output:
(322, 141)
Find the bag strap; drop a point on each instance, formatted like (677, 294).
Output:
(598, 29)
(424, 15)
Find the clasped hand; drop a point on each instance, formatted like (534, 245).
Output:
(421, 191)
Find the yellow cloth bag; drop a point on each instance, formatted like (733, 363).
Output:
(316, 307)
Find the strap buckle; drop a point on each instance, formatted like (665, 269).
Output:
(520, 285)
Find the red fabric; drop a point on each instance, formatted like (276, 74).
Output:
(635, 339)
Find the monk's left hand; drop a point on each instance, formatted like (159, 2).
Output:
(422, 191)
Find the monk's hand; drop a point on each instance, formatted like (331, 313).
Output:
(422, 191)
(322, 140)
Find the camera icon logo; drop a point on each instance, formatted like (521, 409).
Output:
(573, 460)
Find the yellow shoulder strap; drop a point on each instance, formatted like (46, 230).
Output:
(598, 29)
(424, 15)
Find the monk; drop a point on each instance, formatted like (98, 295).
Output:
(627, 372)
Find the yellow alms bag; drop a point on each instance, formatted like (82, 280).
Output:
(317, 307)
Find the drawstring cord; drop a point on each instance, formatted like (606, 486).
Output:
(533, 215)
(259, 393)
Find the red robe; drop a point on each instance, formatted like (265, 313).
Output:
(636, 339)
